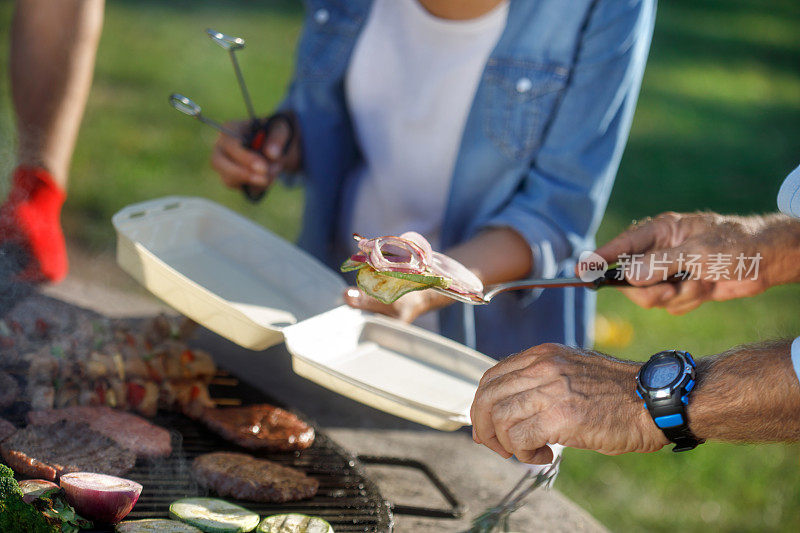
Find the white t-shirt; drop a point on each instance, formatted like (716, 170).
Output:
(409, 88)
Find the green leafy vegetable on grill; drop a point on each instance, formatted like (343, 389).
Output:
(16, 516)
(49, 513)
(53, 504)
(6, 471)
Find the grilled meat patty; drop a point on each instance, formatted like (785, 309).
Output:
(48, 451)
(6, 429)
(243, 477)
(129, 431)
(260, 426)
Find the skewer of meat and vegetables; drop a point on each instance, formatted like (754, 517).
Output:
(94, 361)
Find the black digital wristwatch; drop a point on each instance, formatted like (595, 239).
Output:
(664, 383)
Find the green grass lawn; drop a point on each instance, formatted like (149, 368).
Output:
(717, 127)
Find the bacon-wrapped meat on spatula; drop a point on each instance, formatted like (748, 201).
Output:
(389, 267)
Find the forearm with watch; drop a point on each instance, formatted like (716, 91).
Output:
(747, 394)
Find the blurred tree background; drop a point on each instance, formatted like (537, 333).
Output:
(717, 127)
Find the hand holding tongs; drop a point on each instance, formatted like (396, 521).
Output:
(496, 519)
(613, 277)
(259, 128)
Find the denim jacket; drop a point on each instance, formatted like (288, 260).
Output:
(540, 149)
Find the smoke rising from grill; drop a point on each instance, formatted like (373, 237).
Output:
(13, 260)
(169, 477)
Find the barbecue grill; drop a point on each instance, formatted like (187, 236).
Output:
(347, 498)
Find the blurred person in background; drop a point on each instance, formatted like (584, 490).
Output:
(553, 393)
(53, 47)
(492, 127)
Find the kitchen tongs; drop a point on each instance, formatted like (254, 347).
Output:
(613, 277)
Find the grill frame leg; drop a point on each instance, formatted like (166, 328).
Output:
(456, 510)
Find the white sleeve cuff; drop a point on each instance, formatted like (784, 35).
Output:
(548, 246)
(789, 195)
(796, 356)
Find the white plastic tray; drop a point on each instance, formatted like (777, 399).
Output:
(222, 270)
(385, 363)
(256, 289)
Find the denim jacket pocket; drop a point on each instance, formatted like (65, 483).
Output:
(329, 32)
(520, 98)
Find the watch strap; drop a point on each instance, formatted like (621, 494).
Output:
(669, 411)
(669, 414)
(682, 436)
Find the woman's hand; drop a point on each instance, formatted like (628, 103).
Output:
(238, 166)
(407, 308)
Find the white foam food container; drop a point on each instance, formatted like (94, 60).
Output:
(248, 285)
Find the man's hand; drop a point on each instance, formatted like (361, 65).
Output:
(691, 244)
(238, 165)
(556, 394)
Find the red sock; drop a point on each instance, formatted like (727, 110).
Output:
(31, 219)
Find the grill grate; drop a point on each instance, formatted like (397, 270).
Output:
(346, 497)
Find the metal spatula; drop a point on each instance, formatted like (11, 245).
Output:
(612, 278)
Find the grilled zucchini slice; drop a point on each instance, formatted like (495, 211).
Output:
(155, 524)
(293, 523)
(213, 515)
(384, 288)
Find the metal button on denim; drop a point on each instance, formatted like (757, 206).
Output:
(321, 16)
(524, 85)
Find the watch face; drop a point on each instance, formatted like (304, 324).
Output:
(661, 374)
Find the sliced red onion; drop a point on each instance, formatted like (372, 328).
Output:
(394, 254)
(422, 243)
(462, 279)
(99, 497)
(33, 488)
